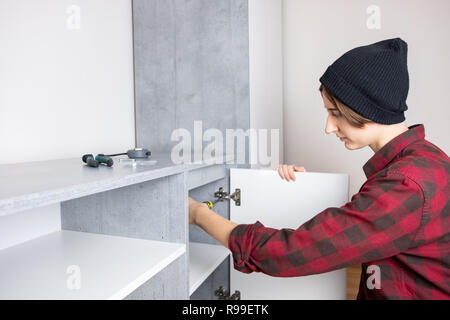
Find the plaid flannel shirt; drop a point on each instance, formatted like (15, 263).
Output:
(398, 223)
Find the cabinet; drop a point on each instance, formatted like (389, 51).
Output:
(191, 63)
(124, 231)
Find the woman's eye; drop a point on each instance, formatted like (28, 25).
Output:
(334, 114)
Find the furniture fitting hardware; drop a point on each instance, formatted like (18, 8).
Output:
(223, 195)
(224, 294)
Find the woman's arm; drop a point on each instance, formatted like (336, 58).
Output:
(215, 225)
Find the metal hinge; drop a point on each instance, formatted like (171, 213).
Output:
(224, 295)
(222, 195)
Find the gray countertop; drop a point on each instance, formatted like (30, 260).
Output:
(28, 185)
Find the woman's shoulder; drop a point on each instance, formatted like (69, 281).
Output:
(419, 157)
(425, 164)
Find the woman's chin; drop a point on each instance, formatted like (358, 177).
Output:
(350, 146)
(347, 144)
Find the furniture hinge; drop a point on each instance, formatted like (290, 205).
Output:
(224, 294)
(222, 195)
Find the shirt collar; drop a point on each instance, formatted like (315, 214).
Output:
(383, 156)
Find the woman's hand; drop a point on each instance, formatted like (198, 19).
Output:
(214, 224)
(193, 208)
(287, 171)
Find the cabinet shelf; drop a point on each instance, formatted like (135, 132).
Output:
(103, 266)
(203, 260)
(35, 184)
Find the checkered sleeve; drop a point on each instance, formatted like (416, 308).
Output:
(380, 221)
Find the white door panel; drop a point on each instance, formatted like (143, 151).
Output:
(279, 204)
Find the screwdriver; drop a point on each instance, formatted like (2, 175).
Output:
(210, 204)
(101, 158)
(90, 160)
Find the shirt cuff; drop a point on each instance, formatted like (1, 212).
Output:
(241, 245)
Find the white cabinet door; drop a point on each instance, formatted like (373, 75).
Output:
(280, 204)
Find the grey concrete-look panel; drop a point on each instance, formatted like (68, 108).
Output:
(154, 210)
(200, 177)
(206, 193)
(191, 64)
(155, 71)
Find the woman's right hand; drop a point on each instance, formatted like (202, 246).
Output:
(287, 171)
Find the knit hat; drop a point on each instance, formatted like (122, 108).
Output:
(372, 80)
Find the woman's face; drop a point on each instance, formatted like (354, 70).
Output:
(353, 138)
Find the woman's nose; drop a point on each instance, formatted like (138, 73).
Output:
(330, 126)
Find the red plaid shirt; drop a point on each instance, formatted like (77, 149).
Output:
(397, 225)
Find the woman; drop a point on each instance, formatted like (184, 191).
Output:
(399, 221)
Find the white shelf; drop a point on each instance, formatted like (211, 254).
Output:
(110, 267)
(203, 260)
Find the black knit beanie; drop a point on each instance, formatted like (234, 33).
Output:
(372, 80)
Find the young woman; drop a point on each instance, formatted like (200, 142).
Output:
(398, 222)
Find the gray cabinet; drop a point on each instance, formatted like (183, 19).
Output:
(124, 230)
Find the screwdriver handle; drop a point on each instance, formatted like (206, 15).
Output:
(209, 204)
(90, 161)
(93, 163)
(101, 158)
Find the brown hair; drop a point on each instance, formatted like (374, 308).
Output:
(351, 116)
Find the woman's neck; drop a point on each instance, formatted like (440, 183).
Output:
(388, 133)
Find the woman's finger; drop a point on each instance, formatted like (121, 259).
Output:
(280, 172)
(286, 173)
(291, 172)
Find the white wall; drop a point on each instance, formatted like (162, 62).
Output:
(64, 92)
(316, 33)
(266, 73)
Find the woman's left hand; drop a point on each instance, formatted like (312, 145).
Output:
(287, 172)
